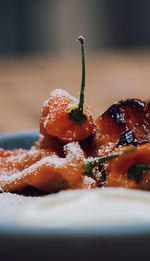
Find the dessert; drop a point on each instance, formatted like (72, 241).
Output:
(75, 151)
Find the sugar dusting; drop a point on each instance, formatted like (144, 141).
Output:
(59, 98)
(33, 169)
(74, 154)
(56, 107)
(73, 149)
(12, 205)
(17, 166)
(62, 93)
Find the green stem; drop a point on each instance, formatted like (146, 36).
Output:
(89, 165)
(76, 115)
(81, 102)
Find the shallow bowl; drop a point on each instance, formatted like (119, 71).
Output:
(114, 243)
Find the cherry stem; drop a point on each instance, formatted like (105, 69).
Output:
(76, 115)
(81, 102)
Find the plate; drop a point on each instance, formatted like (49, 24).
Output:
(17, 242)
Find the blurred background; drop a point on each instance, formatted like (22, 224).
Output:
(39, 52)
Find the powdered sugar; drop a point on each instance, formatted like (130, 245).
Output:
(73, 149)
(62, 93)
(50, 164)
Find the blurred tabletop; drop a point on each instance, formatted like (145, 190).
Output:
(26, 82)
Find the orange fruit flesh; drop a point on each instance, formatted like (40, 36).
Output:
(118, 168)
(55, 119)
(41, 169)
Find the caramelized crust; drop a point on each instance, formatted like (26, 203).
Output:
(126, 122)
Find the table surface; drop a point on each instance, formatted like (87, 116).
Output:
(25, 83)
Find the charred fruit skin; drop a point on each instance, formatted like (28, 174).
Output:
(125, 123)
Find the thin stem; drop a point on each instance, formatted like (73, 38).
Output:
(81, 102)
(76, 115)
(89, 165)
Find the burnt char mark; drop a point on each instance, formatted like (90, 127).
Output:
(137, 104)
(115, 110)
(127, 138)
(148, 104)
(115, 113)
